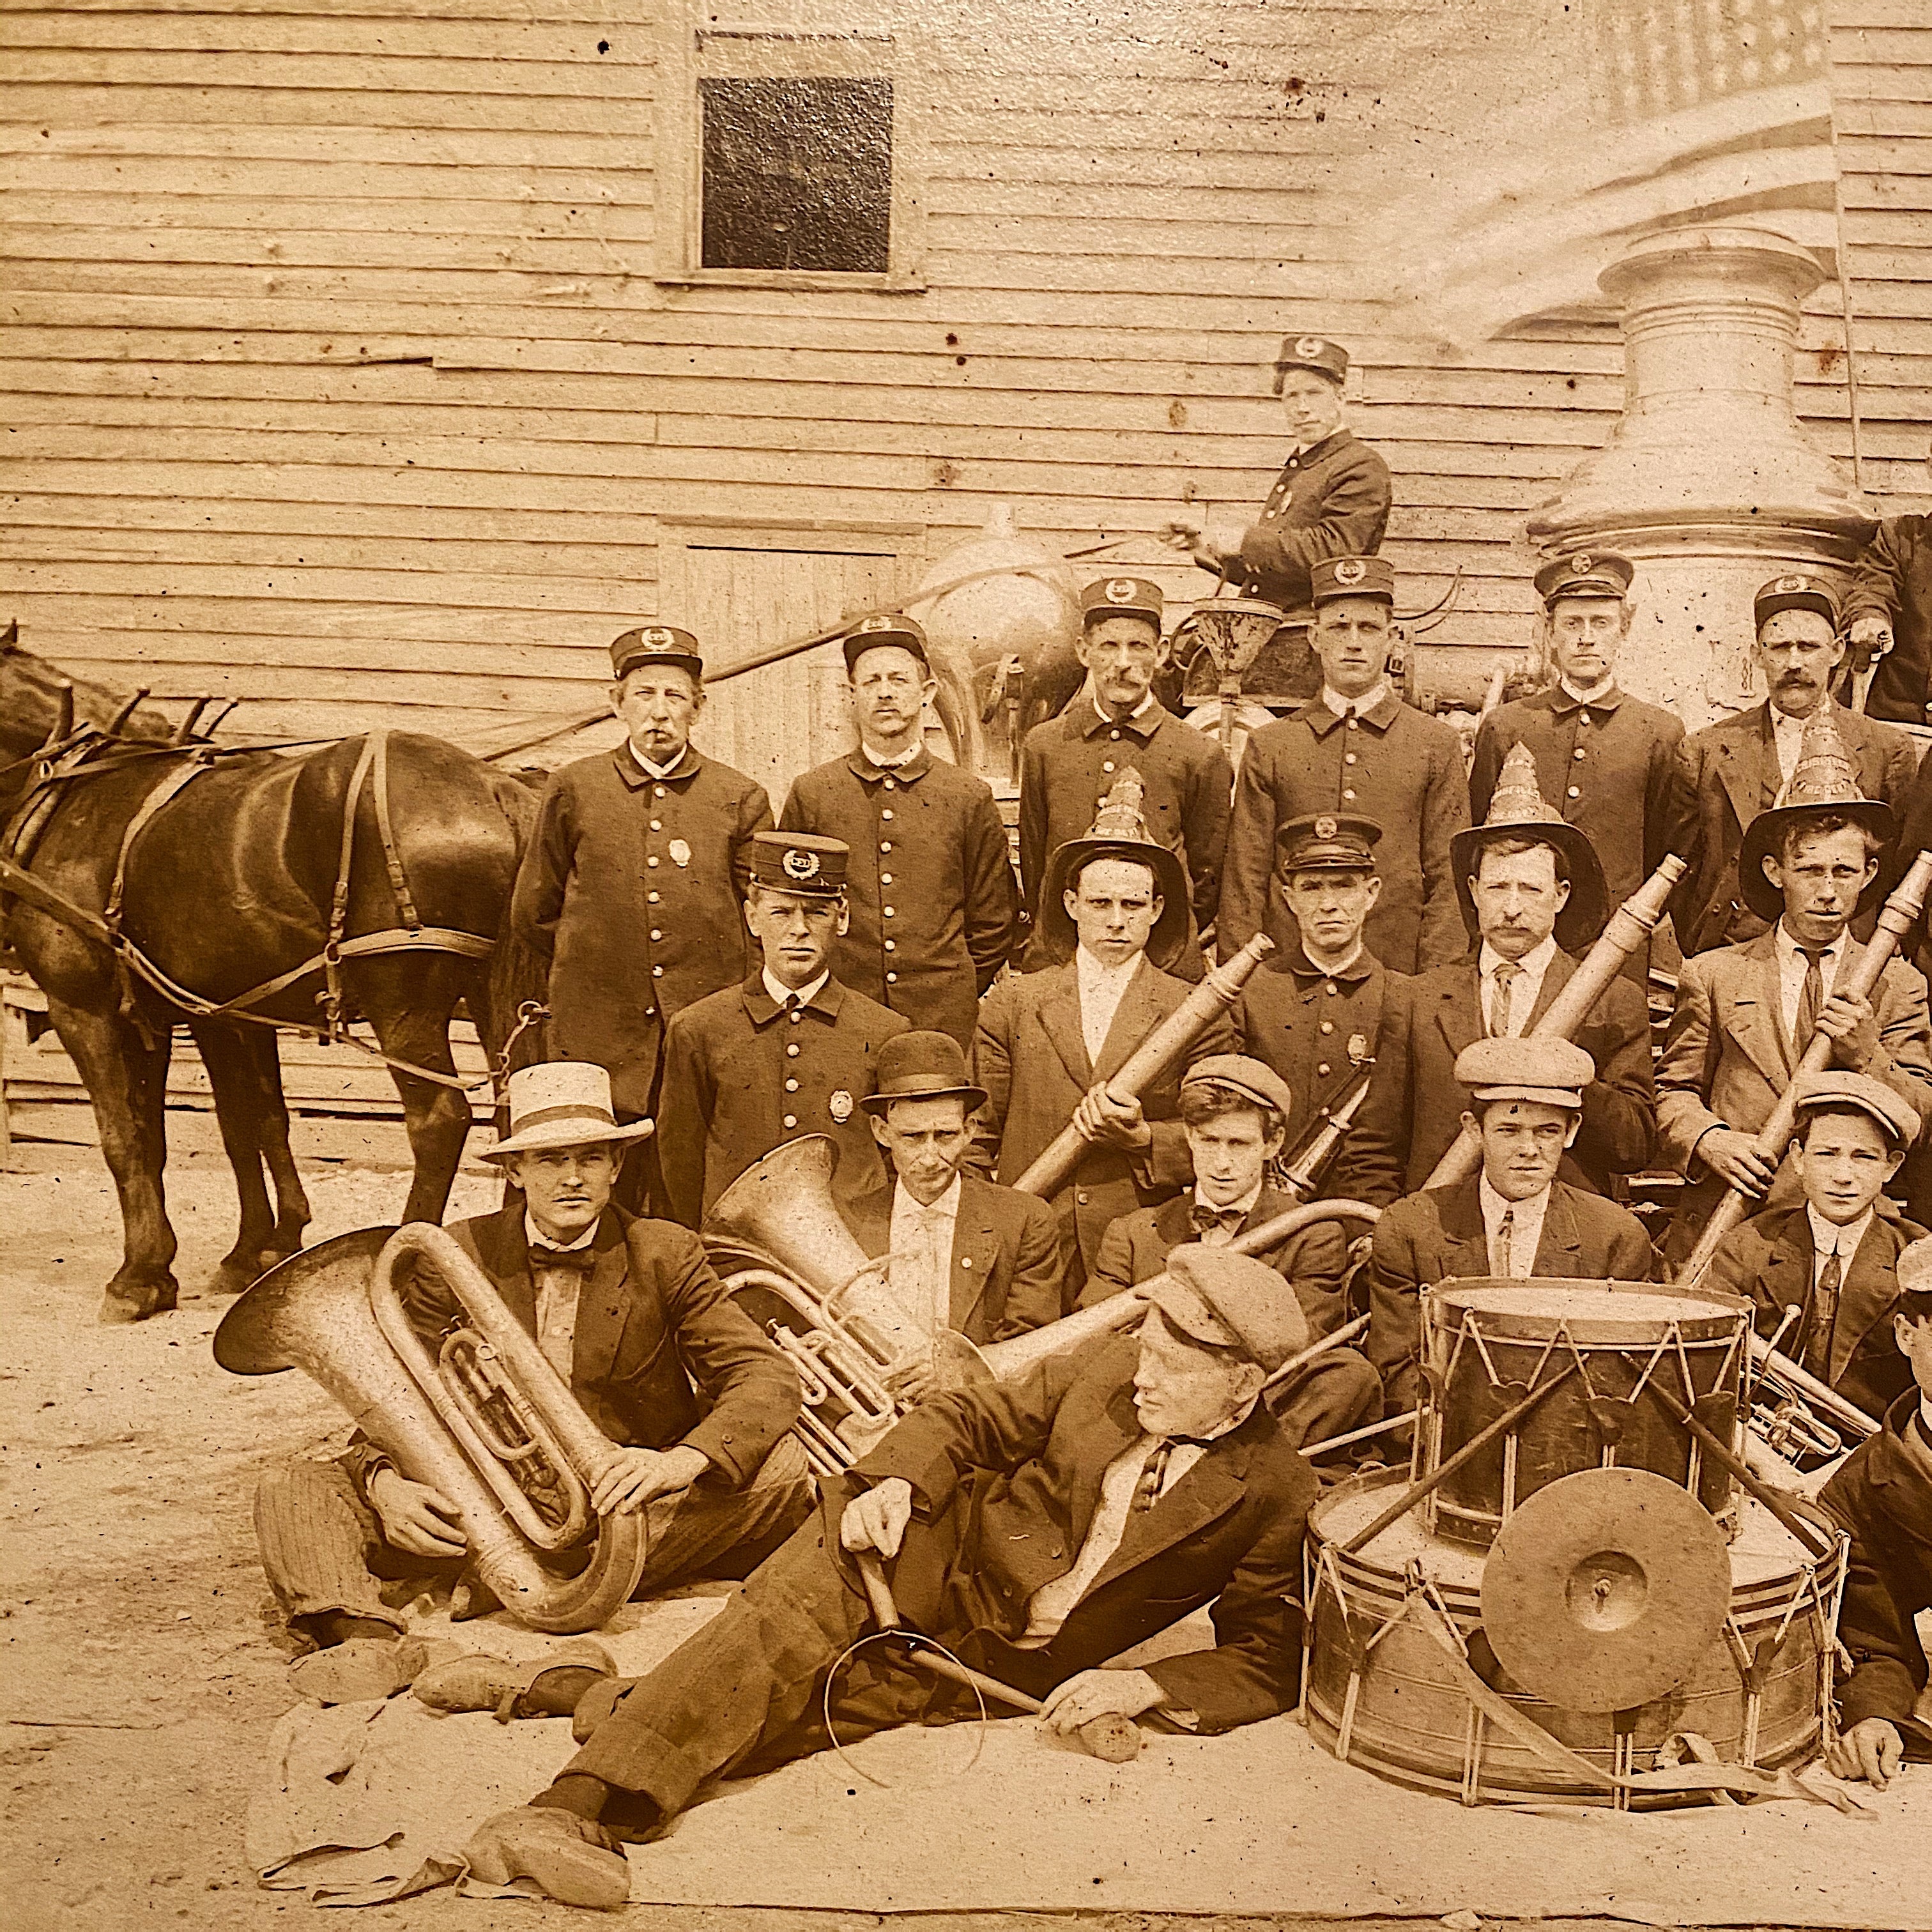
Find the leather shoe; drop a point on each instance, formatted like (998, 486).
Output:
(364, 1666)
(575, 1861)
(484, 1683)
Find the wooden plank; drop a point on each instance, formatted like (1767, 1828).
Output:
(624, 88)
(147, 34)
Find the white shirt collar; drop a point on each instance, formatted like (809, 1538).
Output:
(1140, 710)
(804, 995)
(657, 771)
(1369, 700)
(1525, 1223)
(945, 1208)
(1534, 964)
(1338, 966)
(1233, 1423)
(1595, 694)
(1787, 946)
(898, 761)
(1827, 1239)
(1245, 1206)
(534, 1237)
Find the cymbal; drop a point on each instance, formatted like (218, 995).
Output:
(1603, 1591)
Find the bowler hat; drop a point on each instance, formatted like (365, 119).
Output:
(1119, 832)
(1824, 783)
(799, 862)
(1519, 810)
(870, 633)
(1230, 1300)
(560, 1103)
(1553, 1071)
(922, 1065)
(1838, 1091)
(655, 643)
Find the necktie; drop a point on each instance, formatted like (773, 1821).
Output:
(1505, 1238)
(580, 1260)
(1824, 1318)
(1809, 999)
(1504, 974)
(1146, 1489)
(1207, 1220)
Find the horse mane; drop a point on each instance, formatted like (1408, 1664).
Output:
(30, 703)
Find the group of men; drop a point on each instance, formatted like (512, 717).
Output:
(869, 969)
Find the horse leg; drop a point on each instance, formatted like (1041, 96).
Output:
(250, 1114)
(292, 1209)
(412, 1023)
(127, 1080)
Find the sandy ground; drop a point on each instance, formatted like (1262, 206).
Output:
(143, 1664)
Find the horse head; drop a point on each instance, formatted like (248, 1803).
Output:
(34, 701)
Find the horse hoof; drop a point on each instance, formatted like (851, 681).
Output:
(117, 1308)
(229, 1280)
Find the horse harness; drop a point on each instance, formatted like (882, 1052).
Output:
(66, 764)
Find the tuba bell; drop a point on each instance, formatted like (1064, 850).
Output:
(486, 1420)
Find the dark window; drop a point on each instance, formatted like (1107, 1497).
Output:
(797, 174)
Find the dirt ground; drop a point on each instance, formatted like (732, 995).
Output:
(143, 1664)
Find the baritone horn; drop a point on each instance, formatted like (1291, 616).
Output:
(1809, 1419)
(486, 1419)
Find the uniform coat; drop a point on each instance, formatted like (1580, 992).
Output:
(1029, 1056)
(930, 882)
(1006, 1255)
(633, 936)
(1068, 766)
(1415, 1104)
(1892, 579)
(1433, 1235)
(1770, 1261)
(1313, 1028)
(1331, 499)
(1727, 774)
(662, 1356)
(1396, 766)
(1609, 766)
(1006, 1480)
(1882, 1495)
(741, 1077)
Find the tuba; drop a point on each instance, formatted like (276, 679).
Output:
(486, 1419)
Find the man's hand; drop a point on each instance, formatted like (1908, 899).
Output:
(1734, 1159)
(1872, 1750)
(878, 1519)
(1872, 632)
(416, 1517)
(1093, 1693)
(1216, 544)
(1109, 1122)
(1852, 1027)
(914, 1380)
(637, 1476)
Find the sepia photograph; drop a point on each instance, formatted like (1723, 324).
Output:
(964, 966)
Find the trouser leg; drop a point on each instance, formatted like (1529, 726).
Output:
(322, 1546)
(1337, 1393)
(697, 1530)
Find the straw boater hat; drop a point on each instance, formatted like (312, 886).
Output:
(922, 1067)
(1518, 810)
(561, 1103)
(1119, 832)
(1823, 782)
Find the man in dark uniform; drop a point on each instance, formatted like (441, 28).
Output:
(1355, 747)
(1314, 1011)
(930, 884)
(1331, 498)
(1607, 762)
(633, 878)
(791, 1052)
(1889, 609)
(1734, 769)
(1070, 762)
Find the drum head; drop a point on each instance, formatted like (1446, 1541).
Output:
(1603, 1591)
(1610, 1314)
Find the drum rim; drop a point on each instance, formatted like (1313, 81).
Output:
(1726, 1312)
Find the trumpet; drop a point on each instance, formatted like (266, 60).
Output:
(487, 1419)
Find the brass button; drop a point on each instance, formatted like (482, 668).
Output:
(652, 860)
(885, 878)
(655, 934)
(891, 785)
(885, 845)
(892, 979)
(1323, 1068)
(651, 898)
(794, 1018)
(650, 1012)
(658, 791)
(890, 947)
(1576, 791)
(1330, 989)
(791, 1086)
(1348, 758)
(792, 1049)
(1578, 752)
(965, 1260)
(887, 911)
(1081, 1197)
(1346, 794)
(657, 972)
(1115, 735)
(1327, 1026)
(1108, 766)
(885, 814)
(791, 1120)
(657, 825)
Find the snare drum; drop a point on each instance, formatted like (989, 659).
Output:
(1486, 1344)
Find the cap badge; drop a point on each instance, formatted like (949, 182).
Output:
(799, 864)
(1793, 583)
(1582, 566)
(840, 1106)
(1310, 345)
(1358, 1048)
(1350, 570)
(1325, 827)
(877, 623)
(658, 635)
(680, 853)
(1120, 590)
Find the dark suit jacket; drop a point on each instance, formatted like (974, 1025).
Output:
(1727, 774)
(1006, 1480)
(1432, 1236)
(1892, 579)
(1415, 1105)
(1029, 1057)
(663, 1358)
(1769, 1261)
(1882, 1495)
(1006, 1255)
(1331, 499)
(1136, 1248)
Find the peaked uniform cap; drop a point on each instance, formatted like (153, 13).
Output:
(869, 633)
(1795, 590)
(1585, 573)
(1519, 810)
(1824, 782)
(1311, 352)
(655, 643)
(1121, 597)
(1119, 832)
(1336, 577)
(1327, 841)
(799, 862)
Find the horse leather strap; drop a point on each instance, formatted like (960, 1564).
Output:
(330, 999)
(172, 783)
(392, 859)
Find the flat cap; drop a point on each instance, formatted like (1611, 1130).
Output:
(1795, 590)
(1327, 841)
(1336, 577)
(869, 633)
(1585, 573)
(1254, 1079)
(799, 862)
(1914, 1266)
(1555, 1072)
(1838, 1092)
(655, 643)
(1230, 1301)
(1311, 352)
(1121, 597)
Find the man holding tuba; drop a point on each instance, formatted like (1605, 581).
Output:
(629, 1313)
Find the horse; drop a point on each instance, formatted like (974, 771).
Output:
(150, 879)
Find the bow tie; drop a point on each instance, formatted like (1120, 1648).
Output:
(579, 1260)
(1205, 1219)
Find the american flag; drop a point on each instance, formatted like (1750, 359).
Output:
(1663, 56)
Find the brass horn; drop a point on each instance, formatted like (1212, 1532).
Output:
(1809, 1420)
(486, 1419)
